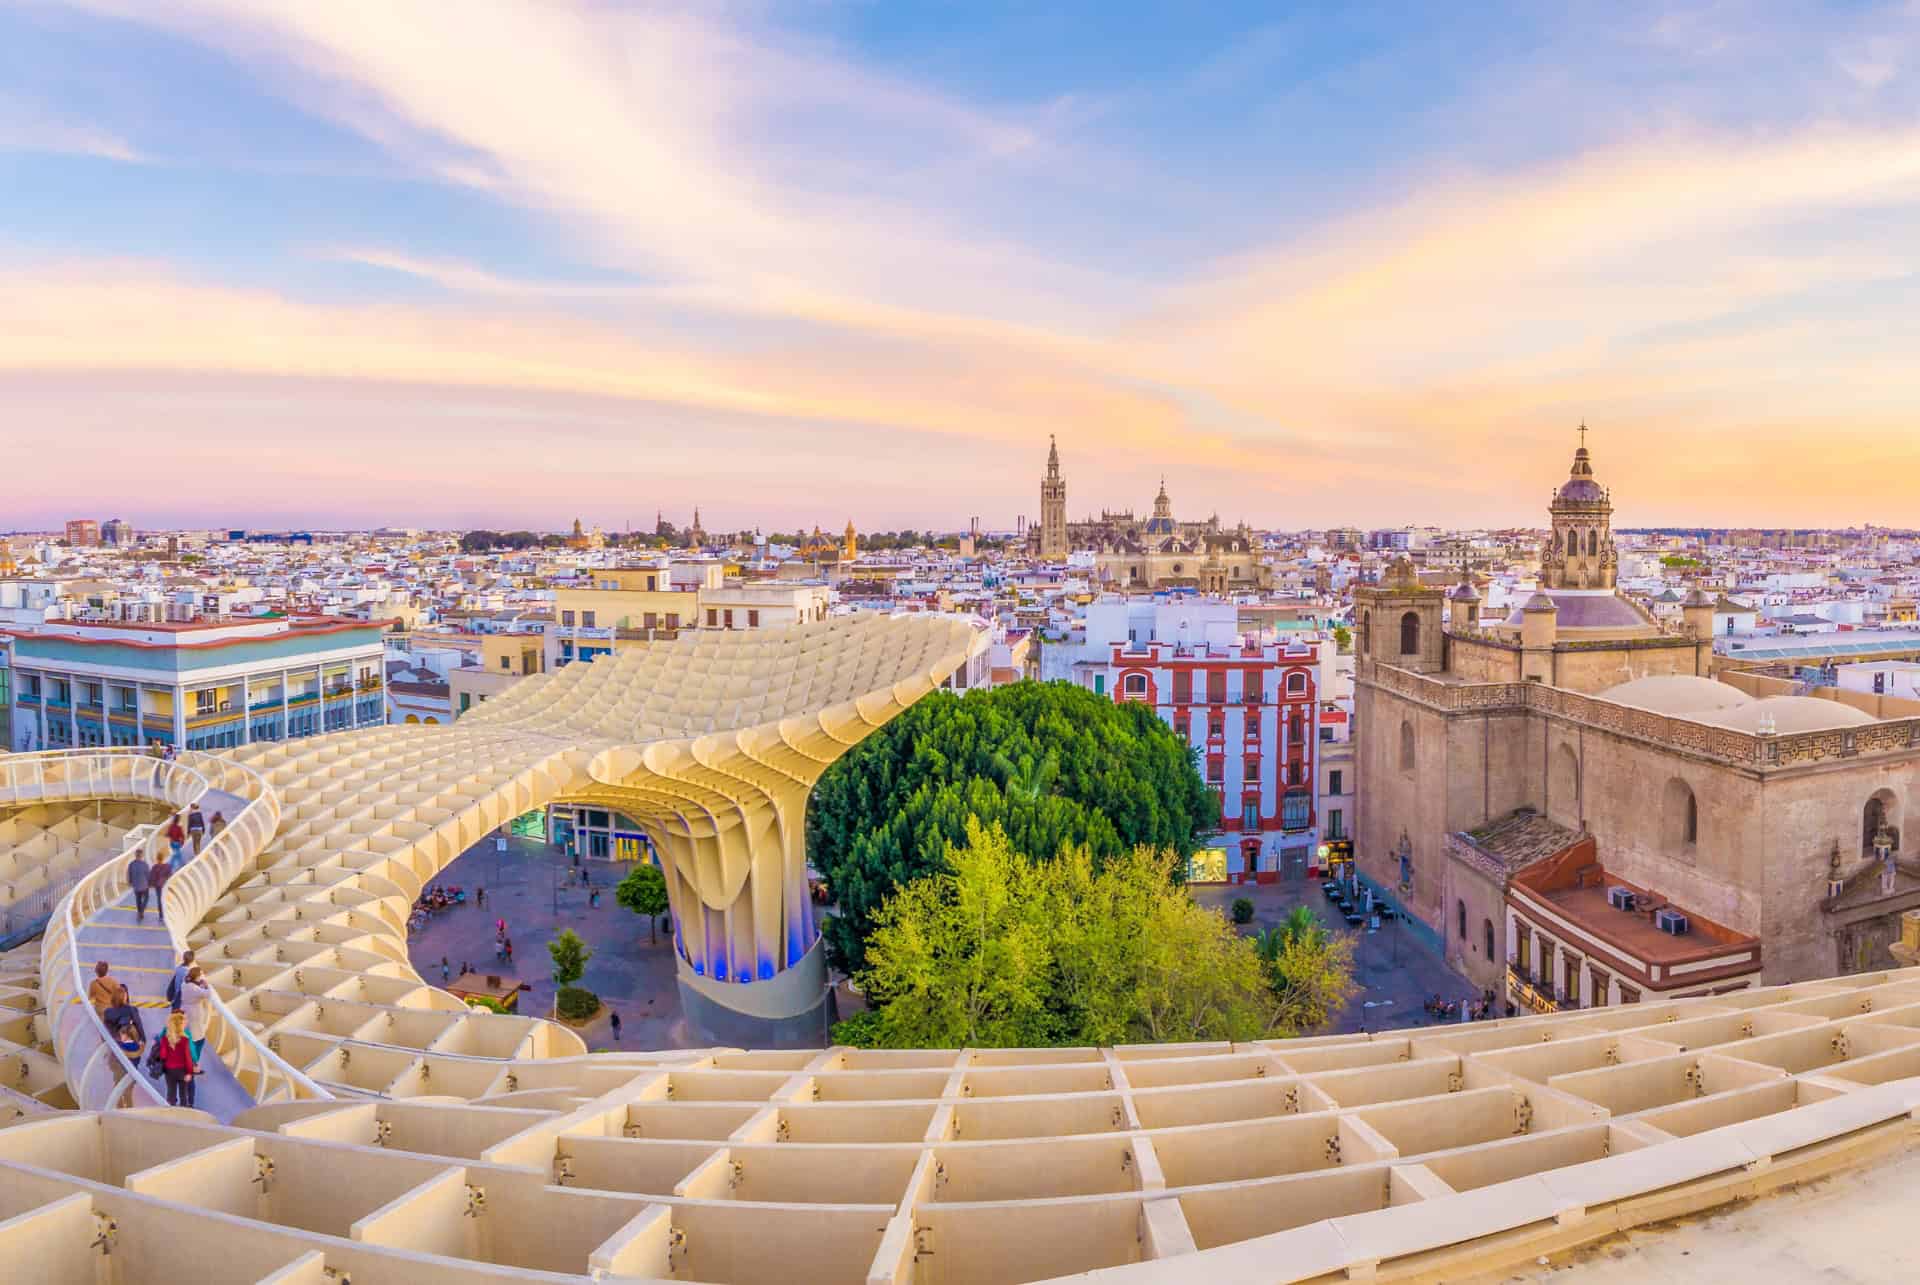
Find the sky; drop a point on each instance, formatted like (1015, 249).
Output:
(283, 263)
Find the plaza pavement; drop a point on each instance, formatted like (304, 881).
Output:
(528, 887)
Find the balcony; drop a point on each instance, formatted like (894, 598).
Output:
(1524, 991)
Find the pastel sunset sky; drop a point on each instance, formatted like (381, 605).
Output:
(508, 262)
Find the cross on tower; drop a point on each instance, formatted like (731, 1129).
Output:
(1583, 434)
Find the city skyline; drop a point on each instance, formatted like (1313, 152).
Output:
(353, 265)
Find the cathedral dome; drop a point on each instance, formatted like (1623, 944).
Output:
(1681, 695)
(1788, 714)
(1580, 490)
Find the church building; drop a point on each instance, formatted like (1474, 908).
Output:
(1580, 719)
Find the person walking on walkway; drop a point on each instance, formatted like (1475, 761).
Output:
(103, 992)
(217, 825)
(196, 827)
(446, 971)
(613, 1020)
(139, 875)
(196, 1002)
(157, 881)
(176, 840)
(123, 1022)
(480, 897)
(179, 980)
(176, 1060)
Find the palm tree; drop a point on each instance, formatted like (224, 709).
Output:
(1301, 924)
(1028, 779)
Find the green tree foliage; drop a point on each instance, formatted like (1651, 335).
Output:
(1052, 765)
(644, 892)
(998, 950)
(1309, 969)
(485, 541)
(1343, 639)
(570, 955)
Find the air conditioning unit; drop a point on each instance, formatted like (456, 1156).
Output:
(1620, 898)
(1670, 921)
(226, 707)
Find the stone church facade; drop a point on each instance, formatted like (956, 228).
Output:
(1759, 814)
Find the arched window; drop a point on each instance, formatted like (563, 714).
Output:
(1486, 931)
(1296, 684)
(1881, 809)
(1593, 540)
(1460, 911)
(1134, 684)
(1410, 634)
(1406, 746)
(1681, 815)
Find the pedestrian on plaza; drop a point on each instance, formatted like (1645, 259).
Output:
(179, 980)
(465, 968)
(507, 945)
(500, 927)
(446, 971)
(196, 827)
(139, 878)
(157, 883)
(500, 946)
(613, 1020)
(123, 1022)
(176, 1059)
(593, 899)
(216, 826)
(479, 897)
(176, 839)
(103, 992)
(196, 1000)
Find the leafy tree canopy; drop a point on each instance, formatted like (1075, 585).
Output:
(1000, 951)
(1052, 765)
(570, 955)
(644, 892)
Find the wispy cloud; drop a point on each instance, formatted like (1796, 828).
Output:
(25, 127)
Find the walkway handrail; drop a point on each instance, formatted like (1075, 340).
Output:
(190, 894)
(98, 1072)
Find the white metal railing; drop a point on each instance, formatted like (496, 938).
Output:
(99, 1074)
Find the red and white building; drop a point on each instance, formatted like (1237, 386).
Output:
(1249, 707)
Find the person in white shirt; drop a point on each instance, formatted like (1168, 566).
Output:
(196, 1001)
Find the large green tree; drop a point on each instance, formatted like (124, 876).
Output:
(644, 892)
(1051, 764)
(998, 950)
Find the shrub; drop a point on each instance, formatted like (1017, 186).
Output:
(861, 1031)
(1242, 910)
(576, 1003)
(487, 1002)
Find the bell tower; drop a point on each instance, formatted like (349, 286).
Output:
(1580, 552)
(1053, 506)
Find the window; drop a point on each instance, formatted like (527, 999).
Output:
(1523, 950)
(1252, 767)
(1599, 979)
(1296, 728)
(1335, 781)
(1250, 814)
(1216, 724)
(1681, 815)
(506, 662)
(653, 583)
(1296, 810)
(586, 618)
(203, 702)
(1336, 824)
(727, 618)
(1460, 914)
(62, 690)
(713, 617)
(1296, 684)
(566, 619)
(1628, 995)
(753, 619)
(650, 619)
(1251, 688)
(1410, 634)
(1406, 746)
(1182, 687)
(1326, 736)
(1486, 932)
(1134, 684)
(1296, 775)
(466, 701)
(129, 699)
(1215, 772)
(673, 620)
(1217, 687)
(1570, 980)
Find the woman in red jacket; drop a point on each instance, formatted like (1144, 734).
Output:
(176, 1059)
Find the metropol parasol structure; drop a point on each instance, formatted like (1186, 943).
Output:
(360, 1125)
